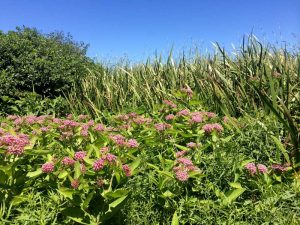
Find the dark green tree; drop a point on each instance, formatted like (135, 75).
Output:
(49, 64)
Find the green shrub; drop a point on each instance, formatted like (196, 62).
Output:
(48, 64)
(32, 103)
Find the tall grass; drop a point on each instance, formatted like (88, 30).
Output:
(255, 76)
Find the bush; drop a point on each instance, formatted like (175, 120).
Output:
(177, 164)
(47, 64)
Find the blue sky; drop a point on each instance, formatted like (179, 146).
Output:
(136, 28)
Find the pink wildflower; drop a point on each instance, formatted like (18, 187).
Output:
(75, 183)
(99, 127)
(18, 121)
(44, 129)
(262, 168)
(182, 175)
(80, 155)
(251, 168)
(196, 119)
(82, 168)
(122, 117)
(84, 132)
(180, 154)
(188, 91)
(15, 144)
(162, 126)
(169, 103)
(12, 117)
(191, 145)
(208, 128)
(48, 167)
(132, 115)
(67, 161)
(98, 165)
(170, 117)
(184, 112)
(185, 161)
(82, 117)
(91, 123)
(111, 158)
(127, 170)
(225, 119)
(132, 143)
(104, 149)
(210, 114)
(100, 182)
(191, 168)
(142, 120)
(279, 167)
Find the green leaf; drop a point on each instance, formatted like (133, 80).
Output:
(235, 185)
(166, 173)
(134, 165)
(77, 170)
(17, 200)
(116, 193)
(34, 173)
(63, 174)
(75, 214)
(88, 200)
(66, 192)
(175, 220)
(281, 148)
(231, 195)
(115, 203)
(32, 143)
(168, 194)
(182, 147)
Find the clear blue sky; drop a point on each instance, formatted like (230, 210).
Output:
(139, 27)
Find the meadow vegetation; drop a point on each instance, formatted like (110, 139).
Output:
(207, 139)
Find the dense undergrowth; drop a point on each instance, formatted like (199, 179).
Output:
(213, 139)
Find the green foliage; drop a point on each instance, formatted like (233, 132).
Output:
(29, 103)
(47, 64)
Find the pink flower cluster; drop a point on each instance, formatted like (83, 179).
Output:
(75, 183)
(170, 103)
(110, 158)
(162, 126)
(124, 117)
(132, 143)
(99, 127)
(121, 141)
(188, 91)
(196, 119)
(170, 117)
(117, 139)
(98, 165)
(185, 165)
(279, 167)
(48, 167)
(142, 120)
(184, 112)
(253, 169)
(15, 144)
(80, 155)
(191, 145)
(67, 161)
(180, 153)
(127, 170)
(82, 117)
(208, 128)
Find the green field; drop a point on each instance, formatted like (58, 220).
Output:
(189, 139)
